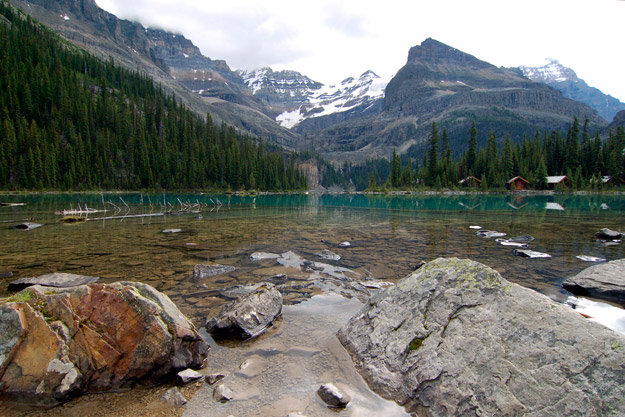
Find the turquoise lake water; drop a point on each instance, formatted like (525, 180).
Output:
(389, 235)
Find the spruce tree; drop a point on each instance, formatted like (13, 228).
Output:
(433, 155)
(471, 158)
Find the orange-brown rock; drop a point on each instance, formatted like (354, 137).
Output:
(58, 343)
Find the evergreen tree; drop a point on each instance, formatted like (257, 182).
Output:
(471, 158)
(507, 160)
(395, 177)
(541, 176)
(433, 155)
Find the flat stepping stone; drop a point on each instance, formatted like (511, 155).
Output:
(587, 258)
(57, 279)
(531, 254)
(25, 226)
(608, 234)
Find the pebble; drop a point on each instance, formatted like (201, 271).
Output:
(222, 393)
(333, 396)
(187, 376)
(174, 397)
(212, 379)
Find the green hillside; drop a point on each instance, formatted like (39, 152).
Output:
(71, 121)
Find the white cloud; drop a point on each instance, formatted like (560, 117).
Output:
(329, 41)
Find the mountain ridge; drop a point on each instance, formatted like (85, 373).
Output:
(355, 120)
(566, 81)
(443, 84)
(161, 55)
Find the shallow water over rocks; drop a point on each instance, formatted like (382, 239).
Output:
(389, 236)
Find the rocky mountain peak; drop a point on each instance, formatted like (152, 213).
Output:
(433, 52)
(550, 71)
(571, 86)
(281, 82)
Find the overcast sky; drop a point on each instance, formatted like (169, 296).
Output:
(329, 40)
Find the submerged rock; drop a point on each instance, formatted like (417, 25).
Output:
(454, 339)
(201, 271)
(57, 279)
(248, 316)
(328, 255)
(261, 256)
(490, 233)
(524, 238)
(605, 281)
(58, 343)
(345, 244)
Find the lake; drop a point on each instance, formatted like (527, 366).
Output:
(389, 236)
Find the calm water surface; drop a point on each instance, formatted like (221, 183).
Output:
(389, 236)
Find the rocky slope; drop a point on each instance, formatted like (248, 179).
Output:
(619, 120)
(203, 84)
(454, 88)
(566, 81)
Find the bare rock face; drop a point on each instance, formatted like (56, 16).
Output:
(57, 343)
(604, 281)
(456, 339)
(248, 316)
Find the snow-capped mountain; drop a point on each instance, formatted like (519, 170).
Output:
(296, 97)
(280, 90)
(571, 86)
(550, 72)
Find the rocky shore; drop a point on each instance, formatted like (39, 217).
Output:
(452, 338)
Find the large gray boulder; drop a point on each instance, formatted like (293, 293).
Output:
(604, 281)
(456, 339)
(248, 316)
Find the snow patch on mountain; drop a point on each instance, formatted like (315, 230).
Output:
(551, 71)
(315, 99)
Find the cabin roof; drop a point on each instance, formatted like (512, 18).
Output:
(556, 179)
(469, 178)
(518, 177)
